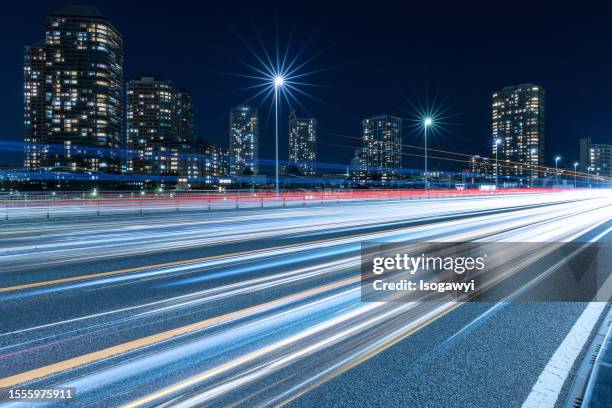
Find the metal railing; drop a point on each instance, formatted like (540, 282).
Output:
(66, 204)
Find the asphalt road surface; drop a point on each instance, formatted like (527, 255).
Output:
(260, 307)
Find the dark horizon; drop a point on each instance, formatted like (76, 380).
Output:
(389, 60)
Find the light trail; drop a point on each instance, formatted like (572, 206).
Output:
(315, 219)
(191, 264)
(216, 329)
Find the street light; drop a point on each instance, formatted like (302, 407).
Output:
(575, 167)
(532, 151)
(278, 82)
(427, 122)
(589, 176)
(497, 143)
(557, 169)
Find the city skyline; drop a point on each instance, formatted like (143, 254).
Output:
(345, 123)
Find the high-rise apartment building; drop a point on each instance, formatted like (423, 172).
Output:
(382, 148)
(600, 157)
(244, 141)
(595, 158)
(152, 138)
(203, 164)
(73, 94)
(303, 143)
(184, 117)
(481, 169)
(357, 168)
(518, 131)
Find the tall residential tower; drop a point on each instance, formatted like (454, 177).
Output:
(303, 143)
(382, 147)
(244, 141)
(184, 117)
(595, 158)
(73, 94)
(152, 138)
(518, 126)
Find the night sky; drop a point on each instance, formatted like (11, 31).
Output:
(371, 58)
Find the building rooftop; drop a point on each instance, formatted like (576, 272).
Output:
(521, 86)
(79, 11)
(149, 78)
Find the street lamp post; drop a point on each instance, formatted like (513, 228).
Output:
(532, 151)
(426, 123)
(278, 82)
(589, 177)
(497, 143)
(557, 169)
(575, 173)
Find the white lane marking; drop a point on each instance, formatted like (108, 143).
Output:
(545, 391)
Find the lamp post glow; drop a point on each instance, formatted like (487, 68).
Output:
(497, 143)
(575, 167)
(426, 123)
(278, 82)
(557, 169)
(277, 78)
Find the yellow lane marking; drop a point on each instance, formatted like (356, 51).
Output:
(128, 270)
(184, 262)
(162, 265)
(100, 275)
(249, 357)
(380, 348)
(167, 335)
(27, 231)
(194, 260)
